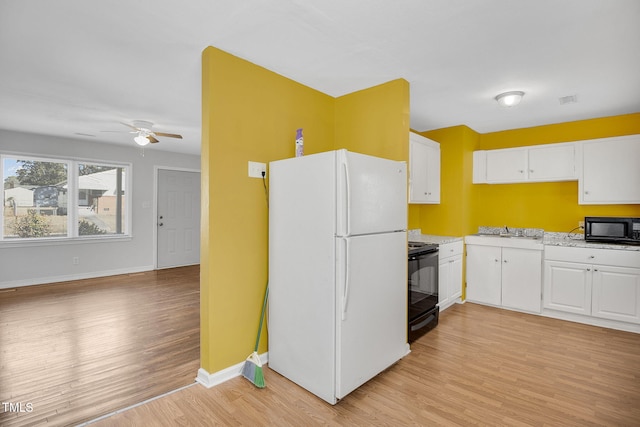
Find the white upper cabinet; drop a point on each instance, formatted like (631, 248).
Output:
(508, 165)
(610, 171)
(552, 162)
(424, 170)
(538, 163)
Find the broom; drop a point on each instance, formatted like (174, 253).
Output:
(252, 369)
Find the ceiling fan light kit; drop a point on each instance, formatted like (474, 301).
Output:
(141, 140)
(510, 99)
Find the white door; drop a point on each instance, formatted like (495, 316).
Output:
(371, 307)
(372, 195)
(178, 221)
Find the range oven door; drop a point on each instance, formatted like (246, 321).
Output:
(423, 293)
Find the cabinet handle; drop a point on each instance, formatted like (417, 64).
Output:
(497, 260)
(591, 256)
(586, 192)
(521, 171)
(531, 170)
(588, 269)
(505, 261)
(595, 269)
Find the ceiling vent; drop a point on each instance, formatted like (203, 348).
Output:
(569, 99)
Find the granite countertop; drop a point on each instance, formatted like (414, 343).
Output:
(576, 240)
(417, 236)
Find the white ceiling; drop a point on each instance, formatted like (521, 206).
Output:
(74, 68)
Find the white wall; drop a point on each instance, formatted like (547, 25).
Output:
(27, 264)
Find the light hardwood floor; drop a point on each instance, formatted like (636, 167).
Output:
(481, 366)
(73, 351)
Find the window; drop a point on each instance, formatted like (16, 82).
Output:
(101, 201)
(53, 198)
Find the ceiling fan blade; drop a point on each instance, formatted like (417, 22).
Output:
(152, 139)
(168, 135)
(132, 127)
(119, 131)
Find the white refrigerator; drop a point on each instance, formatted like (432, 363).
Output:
(337, 269)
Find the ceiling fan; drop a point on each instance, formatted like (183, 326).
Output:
(144, 133)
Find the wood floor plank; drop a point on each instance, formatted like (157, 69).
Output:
(81, 349)
(62, 350)
(480, 366)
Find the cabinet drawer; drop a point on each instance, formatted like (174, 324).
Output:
(613, 257)
(450, 249)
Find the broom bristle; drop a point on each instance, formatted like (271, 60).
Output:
(252, 370)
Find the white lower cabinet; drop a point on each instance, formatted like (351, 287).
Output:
(449, 274)
(522, 279)
(484, 274)
(567, 287)
(505, 277)
(603, 283)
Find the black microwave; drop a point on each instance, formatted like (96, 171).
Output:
(612, 230)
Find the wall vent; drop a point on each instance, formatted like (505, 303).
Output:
(569, 99)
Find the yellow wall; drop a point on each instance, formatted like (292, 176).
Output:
(451, 217)
(552, 206)
(251, 114)
(375, 121)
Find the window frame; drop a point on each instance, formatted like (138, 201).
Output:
(73, 176)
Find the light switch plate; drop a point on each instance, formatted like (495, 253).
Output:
(256, 169)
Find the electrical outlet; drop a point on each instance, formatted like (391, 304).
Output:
(581, 225)
(256, 169)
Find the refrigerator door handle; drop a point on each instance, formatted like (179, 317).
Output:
(345, 164)
(345, 295)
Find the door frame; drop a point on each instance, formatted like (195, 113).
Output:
(156, 175)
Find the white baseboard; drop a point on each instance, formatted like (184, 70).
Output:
(211, 380)
(69, 277)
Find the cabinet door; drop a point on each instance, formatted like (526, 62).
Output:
(424, 170)
(522, 279)
(616, 293)
(484, 271)
(567, 287)
(450, 281)
(555, 162)
(610, 171)
(455, 276)
(433, 174)
(508, 165)
(444, 280)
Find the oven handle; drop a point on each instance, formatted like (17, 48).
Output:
(423, 323)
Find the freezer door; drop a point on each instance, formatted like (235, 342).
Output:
(372, 194)
(371, 307)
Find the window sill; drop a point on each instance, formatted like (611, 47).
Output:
(21, 243)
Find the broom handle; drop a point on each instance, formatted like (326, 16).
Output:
(264, 307)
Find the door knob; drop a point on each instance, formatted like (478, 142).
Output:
(160, 225)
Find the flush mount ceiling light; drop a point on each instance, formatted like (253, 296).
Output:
(510, 99)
